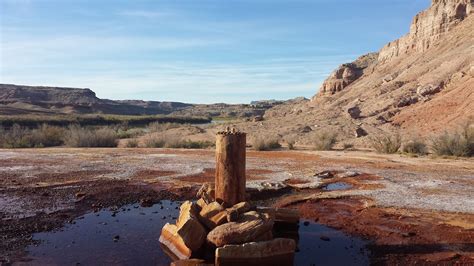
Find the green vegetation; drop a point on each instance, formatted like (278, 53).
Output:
(35, 121)
(324, 140)
(386, 143)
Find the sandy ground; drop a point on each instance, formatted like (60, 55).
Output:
(414, 209)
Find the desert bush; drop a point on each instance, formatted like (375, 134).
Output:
(175, 143)
(386, 143)
(16, 137)
(179, 143)
(154, 142)
(77, 136)
(415, 147)
(265, 144)
(324, 140)
(132, 143)
(47, 136)
(459, 143)
(121, 121)
(290, 141)
(130, 133)
(347, 146)
(291, 144)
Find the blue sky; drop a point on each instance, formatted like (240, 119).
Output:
(192, 51)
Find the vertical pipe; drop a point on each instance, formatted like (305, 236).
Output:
(230, 167)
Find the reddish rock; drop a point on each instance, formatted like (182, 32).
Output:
(174, 243)
(279, 251)
(189, 227)
(248, 228)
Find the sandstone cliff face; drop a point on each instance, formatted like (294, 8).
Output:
(428, 27)
(419, 85)
(347, 74)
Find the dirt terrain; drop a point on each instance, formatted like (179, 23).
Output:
(412, 209)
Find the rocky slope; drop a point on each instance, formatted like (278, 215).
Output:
(18, 99)
(420, 84)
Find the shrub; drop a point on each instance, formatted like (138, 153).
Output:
(386, 143)
(132, 143)
(189, 144)
(324, 140)
(291, 141)
(265, 144)
(291, 145)
(347, 146)
(455, 144)
(47, 136)
(129, 133)
(175, 143)
(16, 137)
(77, 136)
(415, 147)
(154, 142)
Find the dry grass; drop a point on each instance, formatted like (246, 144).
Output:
(265, 144)
(132, 143)
(175, 143)
(324, 140)
(415, 146)
(77, 136)
(21, 137)
(386, 143)
(460, 143)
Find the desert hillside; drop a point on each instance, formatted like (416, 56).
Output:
(39, 100)
(419, 84)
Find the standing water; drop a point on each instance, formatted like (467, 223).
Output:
(130, 236)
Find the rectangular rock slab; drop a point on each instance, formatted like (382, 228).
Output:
(234, 212)
(248, 228)
(190, 229)
(279, 251)
(175, 244)
(208, 212)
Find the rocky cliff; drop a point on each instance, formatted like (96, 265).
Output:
(15, 99)
(418, 85)
(428, 27)
(19, 99)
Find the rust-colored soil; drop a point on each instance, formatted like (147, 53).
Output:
(402, 237)
(415, 210)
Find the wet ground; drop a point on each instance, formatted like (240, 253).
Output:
(410, 210)
(129, 236)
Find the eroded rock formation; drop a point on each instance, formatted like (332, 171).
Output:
(428, 27)
(347, 74)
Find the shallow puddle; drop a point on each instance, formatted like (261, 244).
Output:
(130, 235)
(337, 186)
(321, 245)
